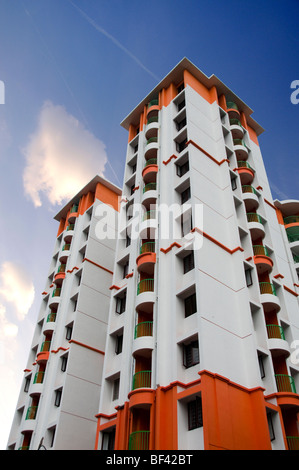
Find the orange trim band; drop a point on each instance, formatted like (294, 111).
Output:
(86, 346)
(206, 153)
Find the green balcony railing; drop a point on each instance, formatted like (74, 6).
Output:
(235, 122)
(45, 346)
(231, 105)
(61, 268)
(139, 440)
(296, 258)
(51, 317)
(154, 102)
(31, 412)
(249, 189)
(151, 161)
(144, 328)
(267, 288)
(142, 379)
(275, 331)
(23, 448)
(56, 292)
(150, 187)
(293, 237)
(39, 377)
(152, 119)
(292, 219)
(152, 140)
(66, 247)
(242, 164)
(293, 442)
(70, 227)
(147, 247)
(239, 142)
(260, 250)
(285, 383)
(146, 285)
(74, 208)
(253, 217)
(149, 215)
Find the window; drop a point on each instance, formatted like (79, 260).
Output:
(58, 394)
(125, 269)
(195, 414)
(119, 344)
(63, 363)
(190, 305)
(69, 331)
(248, 277)
(180, 146)
(121, 303)
(234, 183)
(115, 393)
(128, 240)
(182, 123)
(182, 167)
(108, 440)
(186, 224)
(261, 366)
(181, 105)
(185, 195)
(188, 262)
(27, 383)
(180, 87)
(270, 426)
(191, 354)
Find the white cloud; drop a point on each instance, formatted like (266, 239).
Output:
(61, 156)
(16, 289)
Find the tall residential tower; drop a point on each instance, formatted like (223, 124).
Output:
(204, 311)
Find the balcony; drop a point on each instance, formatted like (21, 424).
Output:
(250, 197)
(148, 225)
(150, 195)
(142, 379)
(232, 110)
(269, 297)
(73, 213)
(245, 172)
(152, 127)
(293, 442)
(65, 253)
(145, 295)
(147, 258)
(236, 128)
(285, 383)
(276, 341)
(151, 148)
(31, 412)
(150, 170)
(139, 440)
(240, 149)
(255, 225)
(262, 259)
(144, 328)
(55, 298)
(39, 377)
(60, 275)
(69, 232)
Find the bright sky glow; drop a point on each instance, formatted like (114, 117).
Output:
(71, 70)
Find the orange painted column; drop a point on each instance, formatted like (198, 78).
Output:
(234, 418)
(166, 425)
(122, 428)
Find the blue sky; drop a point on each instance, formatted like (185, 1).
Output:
(78, 67)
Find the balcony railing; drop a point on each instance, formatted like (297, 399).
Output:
(45, 347)
(292, 219)
(150, 187)
(260, 250)
(239, 142)
(70, 227)
(293, 442)
(146, 285)
(39, 377)
(253, 217)
(74, 208)
(296, 258)
(285, 383)
(139, 440)
(144, 328)
(151, 161)
(235, 122)
(56, 292)
(275, 331)
(152, 119)
(249, 189)
(149, 215)
(66, 247)
(231, 105)
(293, 237)
(147, 247)
(142, 379)
(31, 412)
(51, 317)
(154, 102)
(267, 288)
(152, 140)
(61, 268)
(242, 164)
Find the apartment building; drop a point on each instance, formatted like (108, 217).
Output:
(62, 379)
(203, 320)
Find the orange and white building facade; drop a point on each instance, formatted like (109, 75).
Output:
(182, 318)
(62, 380)
(204, 319)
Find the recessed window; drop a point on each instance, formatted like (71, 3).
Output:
(190, 305)
(64, 363)
(121, 303)
(195, 414)
(188, 262)
(248, 277)
(270, 426)
(261, 366)
(69, 332)
(58, 394)
(185, 195)
(191, 354)
(186, 224)
(115, 392)
(118, 344)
